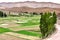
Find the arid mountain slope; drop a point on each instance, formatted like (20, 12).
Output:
(30, 4)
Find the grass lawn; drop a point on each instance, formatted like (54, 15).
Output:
(3, 30)
(29, 33)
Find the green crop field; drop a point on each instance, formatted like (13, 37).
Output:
(29, 33)
(20, 22)
(3, 30)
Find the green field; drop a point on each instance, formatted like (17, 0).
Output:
(29, 33)
(25, 32)
(3, 30)
(21, 22)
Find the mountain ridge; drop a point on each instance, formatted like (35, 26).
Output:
(30, 7)
(32, 4)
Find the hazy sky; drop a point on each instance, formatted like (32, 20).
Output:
(56, 1)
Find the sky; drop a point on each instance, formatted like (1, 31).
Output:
(55, 1)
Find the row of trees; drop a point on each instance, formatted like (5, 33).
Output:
(47, 23)
(20, 14)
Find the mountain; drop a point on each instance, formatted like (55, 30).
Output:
(31, 4)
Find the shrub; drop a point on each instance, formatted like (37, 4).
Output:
(2, 14)
(14, 15)
(34, 13)
(47, 22)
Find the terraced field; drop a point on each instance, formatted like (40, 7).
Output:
(26, 27)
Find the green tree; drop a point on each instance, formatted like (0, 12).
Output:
(47, 22)
(54, 17)
(2, 14)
